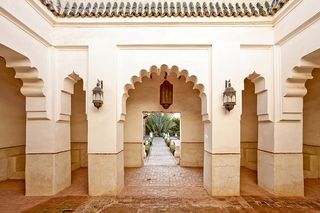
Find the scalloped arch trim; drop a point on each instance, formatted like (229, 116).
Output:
(32, 83)
(165, 69)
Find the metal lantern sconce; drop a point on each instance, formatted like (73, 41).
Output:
(166, 93)
(97, 95)
(229, 96)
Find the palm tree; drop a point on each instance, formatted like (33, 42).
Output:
(160, 123)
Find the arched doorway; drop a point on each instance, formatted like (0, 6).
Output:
(311, 135)
(186, 101)
(12, 126)
(79, 137)
(250, 141)
(73, 109)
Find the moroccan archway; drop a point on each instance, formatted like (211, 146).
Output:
(165, 69)
(33, 86)
(66, 92)
(254, 114)
(295, 90)
(262, 96)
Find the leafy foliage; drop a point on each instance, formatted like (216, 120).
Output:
(176, 129)
(160, 123)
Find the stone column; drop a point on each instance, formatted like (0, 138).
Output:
(280, 158)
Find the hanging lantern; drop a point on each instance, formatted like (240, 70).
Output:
(97, 95)
(229, 96)
(166, 93)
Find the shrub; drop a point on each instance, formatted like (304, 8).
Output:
(147, 149)
(172, 148)
(168, 141)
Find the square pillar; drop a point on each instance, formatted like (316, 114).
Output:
(47, 173)
(106, 173)
(222, 159)
(48, 157)
(133, 154)
(105, 129)
(280, 158)
(222, 174)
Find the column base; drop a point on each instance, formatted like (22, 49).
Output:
(222, 174)
(191, 154)
(47, 174)
(106, 173)
(281, 174)
(133, 155)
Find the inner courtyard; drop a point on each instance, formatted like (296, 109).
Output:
(198, 106)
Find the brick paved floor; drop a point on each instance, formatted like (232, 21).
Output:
(158, 188)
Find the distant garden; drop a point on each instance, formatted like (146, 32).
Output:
(164, 125)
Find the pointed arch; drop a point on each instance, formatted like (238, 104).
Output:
(262, 96)
(66, 92)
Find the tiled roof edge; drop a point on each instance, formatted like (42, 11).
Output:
(163, 9)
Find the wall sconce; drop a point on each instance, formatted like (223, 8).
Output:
(97, 95)
(229, 96)
(166, 93)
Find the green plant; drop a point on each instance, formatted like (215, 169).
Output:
(147, 149)
(176, 129)
(159, 123)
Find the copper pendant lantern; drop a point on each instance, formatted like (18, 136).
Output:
(166, 93)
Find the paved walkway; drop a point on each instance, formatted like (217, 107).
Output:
(160, 154)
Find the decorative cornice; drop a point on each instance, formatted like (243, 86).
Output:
(107, 9)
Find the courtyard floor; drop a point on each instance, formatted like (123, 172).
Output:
(158, 187)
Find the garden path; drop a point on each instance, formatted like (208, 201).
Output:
(160, 154)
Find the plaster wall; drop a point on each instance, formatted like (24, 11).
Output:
(145, 98)
(12, 125)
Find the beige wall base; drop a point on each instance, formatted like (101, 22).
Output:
(192, 154)
(222, 174)
(12, 163)
(249, 155)
(281, 174)
(79, 155)
(106, 173)
(311, 157)
(133, 154)
(47, 174)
